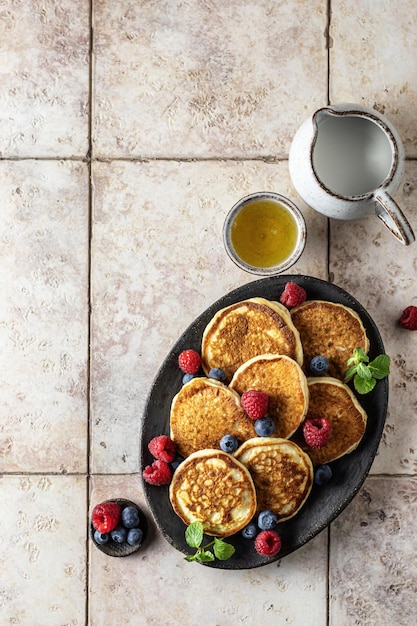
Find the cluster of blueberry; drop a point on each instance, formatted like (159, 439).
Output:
(127, 529)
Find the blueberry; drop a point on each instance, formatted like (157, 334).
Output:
(229, 443)
(250, 531)
(187, 377)
(264, 427)
(323, 474)
(101, 538)
(319, 365)
(218, 374)
(130, 517)
(119, 534)
(267, 520)
(176, 462)
(134, 536)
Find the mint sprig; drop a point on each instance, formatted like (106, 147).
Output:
(194, 537)
(366, 372)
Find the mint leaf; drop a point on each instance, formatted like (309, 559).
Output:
(364, 372)
(363, 385)
(359, 355)
(380, 367)
(194, 534)
(205, 556)
(222, 549)
(350, 372)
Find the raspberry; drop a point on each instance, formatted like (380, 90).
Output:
(255, 403)
(408, 319)
(189, 361)
(106, 516)
(293, 295)
(317, 431)
(159, 473)
(163, 448)
(268, 543)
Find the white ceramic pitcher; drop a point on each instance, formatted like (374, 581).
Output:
(346, 161)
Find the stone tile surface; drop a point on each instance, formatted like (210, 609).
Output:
(381, 273)
(155, 585)
(370, 60)
(373, 571)
(44, 316)
(44, 77)
(43, 550)
(193, 105)
(157, 262)
(205, 78)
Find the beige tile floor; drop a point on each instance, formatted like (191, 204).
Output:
(127, 131)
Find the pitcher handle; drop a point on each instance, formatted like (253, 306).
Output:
(393, 218)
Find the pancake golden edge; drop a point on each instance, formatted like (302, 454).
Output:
(214, 488)
(282, 473)
(332, 399)
(245, 329)
(203, 411)
(286, 385)
(329, 329)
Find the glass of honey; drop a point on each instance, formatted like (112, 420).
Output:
(264, 233)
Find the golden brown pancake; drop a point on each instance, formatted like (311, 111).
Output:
(214, 488)
(330, 330)
(332, 399)
(282, 473)
(205, 410)
(245, 329)
(284, 382)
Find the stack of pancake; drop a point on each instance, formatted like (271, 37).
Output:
(261, 345)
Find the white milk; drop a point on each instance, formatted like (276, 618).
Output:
(352, 155)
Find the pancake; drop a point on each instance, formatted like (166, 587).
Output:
(214, 488)
(284, 382)
(205, 410)
(245, 329)
(331, 330)
(281, 471)
(334, 400)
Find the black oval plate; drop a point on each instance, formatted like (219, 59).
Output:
(324, 503)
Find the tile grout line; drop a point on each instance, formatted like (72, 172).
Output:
(89, 316)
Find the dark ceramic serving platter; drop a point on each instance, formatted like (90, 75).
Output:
(324, 503)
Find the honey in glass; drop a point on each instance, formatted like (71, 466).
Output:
(264, 233)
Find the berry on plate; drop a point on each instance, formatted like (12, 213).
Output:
(264, 427)
(255, 403)
(319, 365)
(106, 516)
(119, 534)
(218, 374)
(163, 448)
(268, 543)
(250, 531)
(134, 536)
(293, 295)
(317, 431)
(130, 517)
(267, 520)
(408, 318)
(189, 361)
(229, 443)
(159, 473)
(101, 538)
(323, 474)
